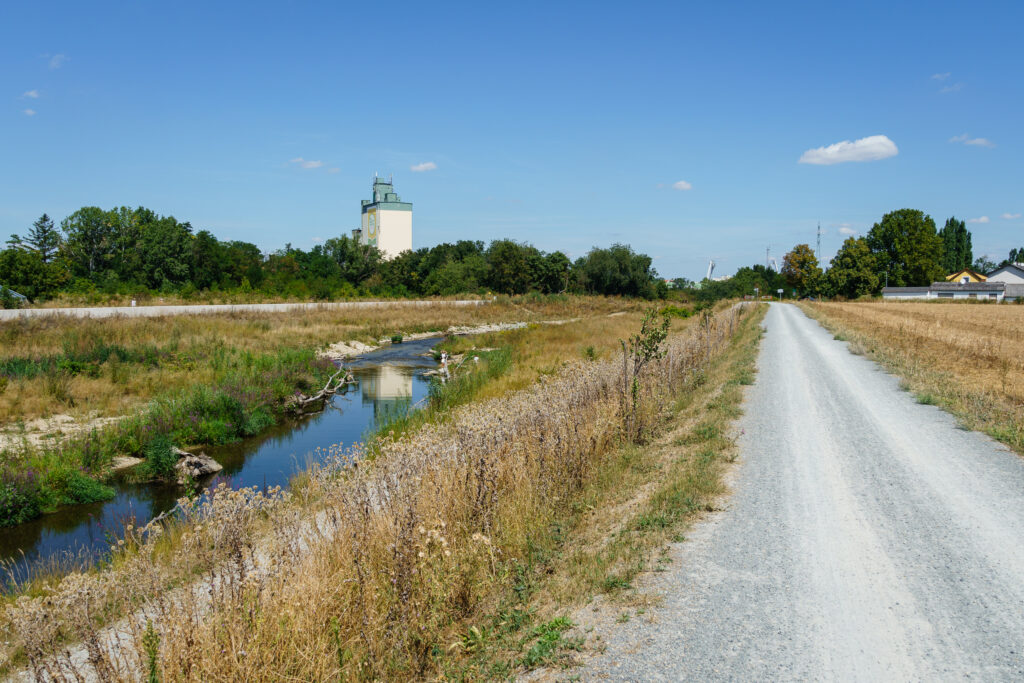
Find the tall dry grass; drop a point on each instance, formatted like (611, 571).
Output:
(175, 352)
(367, 571)
(964, 356)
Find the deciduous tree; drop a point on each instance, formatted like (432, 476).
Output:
(908, 248)
(853, 271)
(801, 270)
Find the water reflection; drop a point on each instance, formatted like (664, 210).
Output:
(389, 382)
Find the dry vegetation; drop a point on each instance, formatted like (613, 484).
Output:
(391, 569)
(171, 353)
(965, 357)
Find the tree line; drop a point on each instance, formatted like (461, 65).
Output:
(127, 251)
(903, 249)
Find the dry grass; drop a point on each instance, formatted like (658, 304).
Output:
(186, 347)
(364, 573)
(965, 357)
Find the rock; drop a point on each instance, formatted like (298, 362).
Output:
(123, 462)
(191, 466)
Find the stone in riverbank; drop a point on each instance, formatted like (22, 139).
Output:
(191, 466)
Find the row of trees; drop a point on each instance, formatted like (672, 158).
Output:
(128, 251)
(904, 249)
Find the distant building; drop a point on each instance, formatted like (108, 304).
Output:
(966, 275)
(983, 291)
(386, 221)
(1011, 274)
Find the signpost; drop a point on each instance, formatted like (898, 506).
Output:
(780, 294)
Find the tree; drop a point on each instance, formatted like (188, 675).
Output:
(617, 270)
(43, 238)
(511, 266)
(164, 249)
(853, 271)
(907, 248)
(89, 241)
(1015, 256)
(800, 269)
(984, 265)
(956, 244)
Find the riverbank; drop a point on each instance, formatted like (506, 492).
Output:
(458, 500)
(121, 384)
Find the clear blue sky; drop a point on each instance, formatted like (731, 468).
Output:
(565, 126)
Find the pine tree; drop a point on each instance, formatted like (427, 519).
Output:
(43, 238)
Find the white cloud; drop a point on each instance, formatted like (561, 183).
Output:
(333, 169)
(968, 140)
(32, 94)
(28, 112)
(305, 163)
(57, 61)
(979, 219)
(1010, 216)
(845, 230)
(941, 77)
(951, 88)
(871, 148)
(425, 166)
(682, 185)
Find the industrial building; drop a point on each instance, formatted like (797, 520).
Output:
(386, 221)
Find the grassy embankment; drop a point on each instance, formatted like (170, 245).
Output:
(963, 357)
(192, 380)
(412, 555)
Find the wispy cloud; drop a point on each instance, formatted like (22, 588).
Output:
(1010, 216)
(979, 219)
(306, 163)
(31, 94)
(872, 148)
(425, 166)
(942, 76)
(28, 112)
(968, 140)
(952, 87)
(682, 185)
(57, 61)
(847, 230)
(333, 169)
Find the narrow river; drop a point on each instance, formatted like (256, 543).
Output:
(390, 381)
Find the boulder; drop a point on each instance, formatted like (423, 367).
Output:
(192, 467)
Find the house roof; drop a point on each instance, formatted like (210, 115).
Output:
(904, 290)
(968, 287)
(966, 271)
(1019, 267)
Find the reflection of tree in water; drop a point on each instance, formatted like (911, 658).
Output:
(389, 389)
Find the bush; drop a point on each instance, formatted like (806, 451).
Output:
(160, 459)
(20, 497)
(258, 420)
(73, 487)
(396, 339)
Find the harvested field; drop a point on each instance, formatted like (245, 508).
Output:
(965, 357)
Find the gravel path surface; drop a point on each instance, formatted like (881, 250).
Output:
(153, 311)
(867, 538)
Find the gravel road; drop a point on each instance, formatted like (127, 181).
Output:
(200, 309)
(867, 538)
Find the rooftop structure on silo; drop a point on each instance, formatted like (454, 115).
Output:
(386, 221)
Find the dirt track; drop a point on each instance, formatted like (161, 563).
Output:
(868, 538)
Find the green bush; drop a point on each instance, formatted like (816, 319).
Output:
(20, 497)
(160, 459)
(74, 487)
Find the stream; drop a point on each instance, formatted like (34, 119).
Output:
(389, 381)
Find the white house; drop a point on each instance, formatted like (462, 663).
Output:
(1011, 274)
(982, 291)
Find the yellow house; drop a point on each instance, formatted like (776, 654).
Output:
(966, 275)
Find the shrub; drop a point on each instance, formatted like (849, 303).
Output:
(20, 497)
(160, 459)
(73, 487)
(396, 339)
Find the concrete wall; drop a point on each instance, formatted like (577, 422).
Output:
(395, 232)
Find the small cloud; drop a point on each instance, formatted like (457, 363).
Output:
(941, 77)
(31, 94)
(305, 163)
(57, 61)
(847, 231)
(968, 140)
(1010, 216)
(682, 185)
(979, 219)
(425, 166)
(951, 88)
(28, 112)
(872, 148)
(333, 169)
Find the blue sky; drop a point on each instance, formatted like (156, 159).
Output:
(564, 125)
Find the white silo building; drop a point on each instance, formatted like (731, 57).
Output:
(386, 221)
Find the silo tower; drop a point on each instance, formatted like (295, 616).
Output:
(386, 221)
